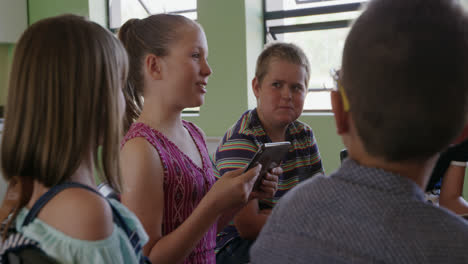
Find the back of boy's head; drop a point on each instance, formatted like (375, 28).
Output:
(282, 51)
(63, 101)
(152, 35)
(404, 72)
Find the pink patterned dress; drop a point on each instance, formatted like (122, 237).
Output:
(185, 184)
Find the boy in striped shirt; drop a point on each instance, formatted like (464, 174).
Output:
(280, 86)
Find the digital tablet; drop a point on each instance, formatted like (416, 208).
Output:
(270, 156)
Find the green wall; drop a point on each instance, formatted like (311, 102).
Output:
(95, 10)
(39, 9)
(328, 141)
(6, 55)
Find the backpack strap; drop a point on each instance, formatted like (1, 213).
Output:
(117, 217)
(46, 197)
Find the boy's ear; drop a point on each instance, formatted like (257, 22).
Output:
(153, 65)
(341, 116)
(256, 87)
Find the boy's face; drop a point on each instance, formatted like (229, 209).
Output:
(281, 94)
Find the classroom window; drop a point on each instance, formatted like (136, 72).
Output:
(122, 10)
(319, 27)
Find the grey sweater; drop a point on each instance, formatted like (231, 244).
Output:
(360, 215)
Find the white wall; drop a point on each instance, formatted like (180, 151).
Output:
(212, 143)
(13, 20)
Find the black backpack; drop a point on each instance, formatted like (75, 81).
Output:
(17, 249)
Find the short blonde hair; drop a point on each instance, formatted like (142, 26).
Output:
(63, 102)
(284, 51)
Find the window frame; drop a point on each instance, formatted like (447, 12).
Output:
(301, 12)
(110, 12)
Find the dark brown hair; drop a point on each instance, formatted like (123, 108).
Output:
(404, 71)
(152, 35)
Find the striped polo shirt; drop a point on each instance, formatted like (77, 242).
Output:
(242, 140)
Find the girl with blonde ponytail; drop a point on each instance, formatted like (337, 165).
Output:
(167, 174)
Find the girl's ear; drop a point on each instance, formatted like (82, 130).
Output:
(341, 116)
(256, 87)
(153, 65)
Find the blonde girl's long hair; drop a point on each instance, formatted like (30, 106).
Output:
(63, 104)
